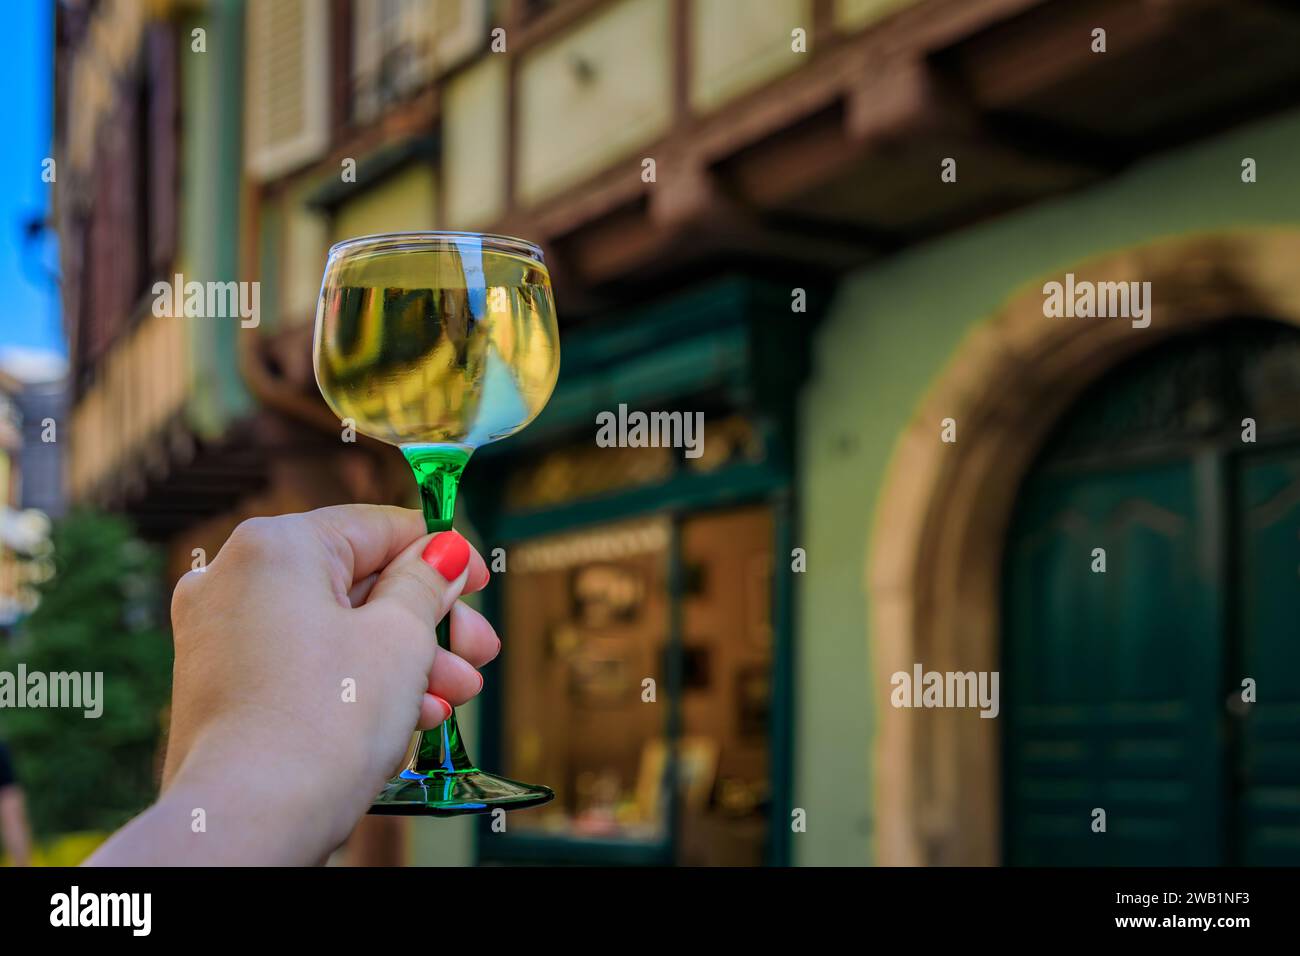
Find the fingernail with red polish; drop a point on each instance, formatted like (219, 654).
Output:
(446, 707)
(480, 683)
(448, 554)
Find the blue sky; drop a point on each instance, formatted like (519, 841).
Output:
(29, 319)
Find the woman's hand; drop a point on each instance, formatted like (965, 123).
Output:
(305, 656)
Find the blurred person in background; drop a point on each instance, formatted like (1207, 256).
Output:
(15, 834)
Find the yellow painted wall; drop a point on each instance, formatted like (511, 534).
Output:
(474, 144)
(593, 96)
(855, 14)
(402, 202)
(306, 243)
(737, 45)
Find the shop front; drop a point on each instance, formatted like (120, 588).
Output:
(647, 595)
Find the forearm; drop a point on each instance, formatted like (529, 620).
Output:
(229, 809)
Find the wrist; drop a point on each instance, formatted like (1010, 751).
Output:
(276, 808)
(231, 803)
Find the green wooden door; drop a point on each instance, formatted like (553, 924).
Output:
(1267, 784)
(1123, 687)
(1112, 688)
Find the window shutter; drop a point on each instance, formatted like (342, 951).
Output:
(287, 93)
(461, 31)
(162, 185)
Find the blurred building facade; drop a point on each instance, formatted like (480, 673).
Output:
(12, 604)
(825, 225)
(42, 406)
(30, 490)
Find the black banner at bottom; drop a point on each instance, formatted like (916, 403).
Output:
(614, 907)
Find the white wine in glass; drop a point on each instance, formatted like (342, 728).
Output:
(438, 342)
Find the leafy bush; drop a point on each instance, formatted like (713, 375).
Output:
(98, 611)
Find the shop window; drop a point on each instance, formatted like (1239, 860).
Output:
(726, 686)
(589, 618)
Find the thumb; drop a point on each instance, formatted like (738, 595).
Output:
(426, 578)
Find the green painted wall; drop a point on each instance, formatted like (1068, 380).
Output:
(890, 331)
(211, 163)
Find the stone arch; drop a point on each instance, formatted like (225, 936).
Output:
(934, 569)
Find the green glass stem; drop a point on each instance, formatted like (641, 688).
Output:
(438, 469)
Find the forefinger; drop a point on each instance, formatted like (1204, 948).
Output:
(362, 540)
(477, 581)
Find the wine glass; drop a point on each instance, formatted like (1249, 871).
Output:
(438, 342)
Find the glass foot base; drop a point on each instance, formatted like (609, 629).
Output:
(445, 793)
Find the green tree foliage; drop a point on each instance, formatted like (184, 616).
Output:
(99, 611)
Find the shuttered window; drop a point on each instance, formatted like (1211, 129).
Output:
(288, 85)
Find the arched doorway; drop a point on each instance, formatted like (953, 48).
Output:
(934, 578)
(1151, 568)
